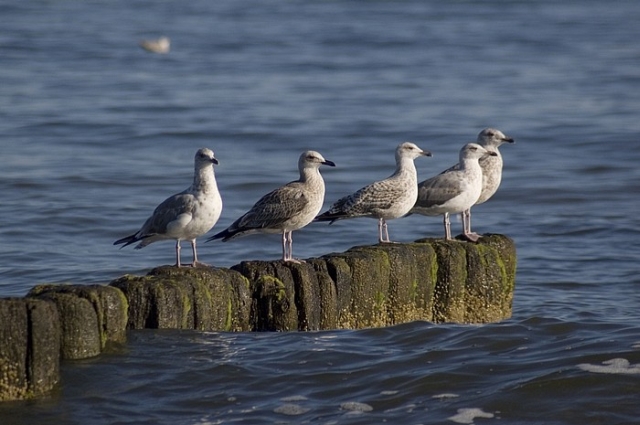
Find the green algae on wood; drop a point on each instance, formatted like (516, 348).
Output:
(80, 333)
(475, 281)
(327, 295)
(449, 293)
(369, 271)
(489, 295)
(411, 282)
(187, 298)
(385, 284)
(430, 279)
(273, 295)
(30, 348)
(109, 304)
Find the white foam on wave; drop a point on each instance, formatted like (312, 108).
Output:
(444, 396)
(354, 406)
(408, 408)
(294, 398)
(467, 415)
(247, 410)
(616, 366)
(291, 409)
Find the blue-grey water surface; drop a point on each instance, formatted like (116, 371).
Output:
(95, 133)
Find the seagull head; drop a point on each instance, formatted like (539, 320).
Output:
(491, 137)
(409, 150)
(475, 151)
(205, 157)
(313, 159)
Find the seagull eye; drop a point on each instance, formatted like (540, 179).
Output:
(491, 134)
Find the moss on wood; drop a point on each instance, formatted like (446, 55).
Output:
(366, 286)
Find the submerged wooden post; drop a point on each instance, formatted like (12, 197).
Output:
(29, 348)
(367, 286)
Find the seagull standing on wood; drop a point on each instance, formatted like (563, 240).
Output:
(453, 191)
(490, 139)
(186, 215)
(383, 200)
(288, 208)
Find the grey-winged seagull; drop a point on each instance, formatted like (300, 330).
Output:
(454, 191)
(186, 215)
(386, 199)
(288, 208)
(490, 139)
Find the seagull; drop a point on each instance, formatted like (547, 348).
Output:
(161, 45)
(185, 215)
(386, 199)
(288, 208)
(454, 191)
(490, 139)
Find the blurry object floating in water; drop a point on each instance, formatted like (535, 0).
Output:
(161, 45)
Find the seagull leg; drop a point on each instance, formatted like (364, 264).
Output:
(447, 227)
(383, 231)
(466, 221)
(290, 250)
(463, 218)
(195, 252)
(178, 253)
(386, 230)
(284, 246)
(196, 263)
(466, 227)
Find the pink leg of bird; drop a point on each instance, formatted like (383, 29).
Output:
(289, 249)
(195, 263)
(383, 231)
(178, 253)
(447, 227)
(466, 227)
(284, 245)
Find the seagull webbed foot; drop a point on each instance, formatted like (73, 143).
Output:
(471, 237)
(294, 260)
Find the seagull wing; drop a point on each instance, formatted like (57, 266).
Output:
(176, 210)
(439, 189)
(274, 208)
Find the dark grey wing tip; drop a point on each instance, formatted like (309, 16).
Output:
(127, 240)
(225, 235)
(216, 236)
(331, 218)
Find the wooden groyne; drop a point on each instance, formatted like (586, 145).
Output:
(368, 286)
